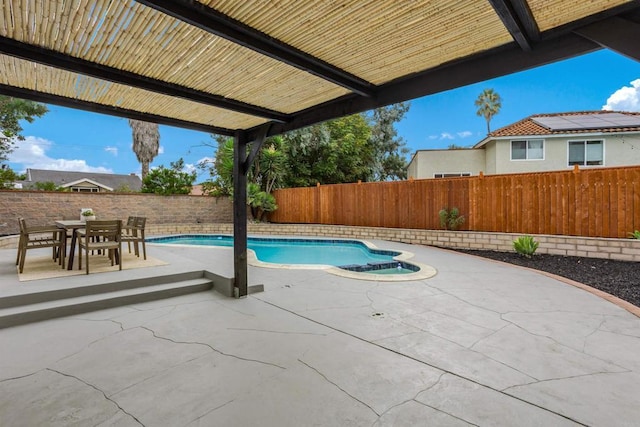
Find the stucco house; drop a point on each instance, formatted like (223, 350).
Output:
(542, 142)
(82, 181)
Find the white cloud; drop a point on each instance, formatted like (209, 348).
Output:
(160, 149)
(112, 150)
(627, 98)
(465, 134)
(446, 135)
(206, 160)
(433, 137)
(31, 153)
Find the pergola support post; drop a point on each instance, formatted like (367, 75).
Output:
(240, 214)
(241, 164)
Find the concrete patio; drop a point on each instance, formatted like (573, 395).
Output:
(480, 343)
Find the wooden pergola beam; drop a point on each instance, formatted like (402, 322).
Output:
(214, 22)
(617, 34)
(93, 107)
(511, 20)
(481, 67)
(70, 63)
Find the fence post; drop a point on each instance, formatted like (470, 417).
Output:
(576, 169)
(318, 209)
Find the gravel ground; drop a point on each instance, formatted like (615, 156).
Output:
(619, 278)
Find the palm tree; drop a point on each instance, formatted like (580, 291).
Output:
(146, 142)
(489, 104)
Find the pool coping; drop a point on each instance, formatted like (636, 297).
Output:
(426, 271)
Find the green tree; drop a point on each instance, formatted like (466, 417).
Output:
(12, 110)
(332, 152)
(263, 176)
(167, 181)
(7, 177)
(220, 182)
(259, 201)
(47, 186)
(389, 150)
(489, 104)
(146, 142)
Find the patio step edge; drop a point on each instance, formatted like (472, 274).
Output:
(30, 313)
(28, 298)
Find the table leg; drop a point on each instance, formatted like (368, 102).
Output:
(72, 250)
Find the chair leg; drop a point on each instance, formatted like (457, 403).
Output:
(63, 254)
(87, 261)
(144, 249)
(23, 253)
(20, 245)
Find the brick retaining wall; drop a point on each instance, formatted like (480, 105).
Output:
(592, 247)
(44, 207)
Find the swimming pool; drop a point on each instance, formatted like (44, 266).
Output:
(353, 257)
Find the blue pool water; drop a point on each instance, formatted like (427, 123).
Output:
(348, 254)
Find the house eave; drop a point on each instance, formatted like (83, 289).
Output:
(90, 181)
(552, 135)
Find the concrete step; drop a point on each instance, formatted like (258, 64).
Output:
(24, 298)
(36, 307)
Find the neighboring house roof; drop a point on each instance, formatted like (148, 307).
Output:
(107, 181)
(600, 121)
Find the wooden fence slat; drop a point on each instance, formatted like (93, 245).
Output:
(592, 202)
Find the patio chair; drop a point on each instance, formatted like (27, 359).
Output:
(101, 236)
(133, 232)
(35, 237)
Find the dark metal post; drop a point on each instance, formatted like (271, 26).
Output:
(240, 214)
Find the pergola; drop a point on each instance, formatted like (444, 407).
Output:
(256, 68)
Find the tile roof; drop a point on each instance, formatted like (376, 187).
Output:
(529, 126)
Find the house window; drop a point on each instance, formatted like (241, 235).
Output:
(451, 175)
(530, 149)
(586, 153)
(85, 189)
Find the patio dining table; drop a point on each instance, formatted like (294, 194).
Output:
(74, 225)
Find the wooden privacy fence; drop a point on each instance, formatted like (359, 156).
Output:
(603, 202)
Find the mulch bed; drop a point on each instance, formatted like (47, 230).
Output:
(618, 278)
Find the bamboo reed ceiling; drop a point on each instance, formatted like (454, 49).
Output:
(376, 40)
(323, 58)
(554, 13)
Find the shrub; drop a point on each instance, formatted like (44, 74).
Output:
(450, 219)
(525, 246)
(635, 234)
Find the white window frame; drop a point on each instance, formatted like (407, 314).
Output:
(451, 174)
(526, 159)
(584, 141)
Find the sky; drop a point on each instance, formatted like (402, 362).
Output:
(74, 140)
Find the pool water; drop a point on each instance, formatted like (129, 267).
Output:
(348, 254)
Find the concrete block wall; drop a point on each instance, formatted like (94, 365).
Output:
(591, 247)
(44, 207)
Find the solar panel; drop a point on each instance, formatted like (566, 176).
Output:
(588, 121)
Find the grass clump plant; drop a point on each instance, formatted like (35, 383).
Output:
(635, 234)
(525, 246)
(450, 219)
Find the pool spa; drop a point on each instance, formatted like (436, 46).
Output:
(350, 258)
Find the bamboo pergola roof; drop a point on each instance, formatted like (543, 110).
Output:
(227, 65)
